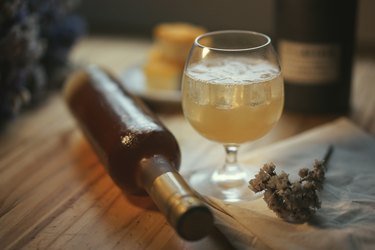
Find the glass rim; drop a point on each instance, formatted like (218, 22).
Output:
(212, 33)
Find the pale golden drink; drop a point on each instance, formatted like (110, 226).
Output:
(234, 100)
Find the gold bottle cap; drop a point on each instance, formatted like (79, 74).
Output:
(188, 214)
(191, 218)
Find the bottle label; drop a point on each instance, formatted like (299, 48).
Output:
(306, 63)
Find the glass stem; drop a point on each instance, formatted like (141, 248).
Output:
(230, 157)
(231, 175)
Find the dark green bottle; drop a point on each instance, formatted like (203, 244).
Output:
(315, 42)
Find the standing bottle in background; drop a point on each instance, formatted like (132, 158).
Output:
(315, 41)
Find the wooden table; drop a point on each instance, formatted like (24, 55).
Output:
(54, 193)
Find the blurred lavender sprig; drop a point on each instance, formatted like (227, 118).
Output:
(35, 39)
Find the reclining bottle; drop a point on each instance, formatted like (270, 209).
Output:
(137, 150)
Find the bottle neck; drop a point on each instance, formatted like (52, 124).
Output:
(181, 205)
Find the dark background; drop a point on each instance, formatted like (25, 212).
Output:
(139, 16)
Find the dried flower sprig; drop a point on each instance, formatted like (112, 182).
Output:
(292, 201)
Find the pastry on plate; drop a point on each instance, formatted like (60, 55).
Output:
(162, 75)
(175, 39)
(166, 59)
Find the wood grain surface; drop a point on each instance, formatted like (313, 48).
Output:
(55, 194)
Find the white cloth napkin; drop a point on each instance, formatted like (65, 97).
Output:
(346, 219)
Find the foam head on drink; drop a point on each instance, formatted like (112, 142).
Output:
(233, 100)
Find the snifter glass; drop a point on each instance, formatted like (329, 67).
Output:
(233, 93)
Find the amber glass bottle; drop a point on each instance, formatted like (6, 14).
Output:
(315, 42)
(138, 151)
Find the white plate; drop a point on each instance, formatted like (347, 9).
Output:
(134, 81)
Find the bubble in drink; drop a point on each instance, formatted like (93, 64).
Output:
(258, 94)
(199, 93)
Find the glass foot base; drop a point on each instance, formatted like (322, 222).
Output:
(227, 187)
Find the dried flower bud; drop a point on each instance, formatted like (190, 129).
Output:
(292, 201)
(303, 172)
(269, 168)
